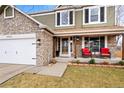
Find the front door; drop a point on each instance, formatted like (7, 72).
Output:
(64, 49)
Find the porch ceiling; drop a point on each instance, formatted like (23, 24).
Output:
(90, 31)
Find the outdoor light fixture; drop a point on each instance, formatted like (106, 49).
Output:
(77, 37)
(39, 42)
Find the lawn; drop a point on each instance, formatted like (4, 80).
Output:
(74, 77)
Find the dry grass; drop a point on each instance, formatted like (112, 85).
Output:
(75, 77)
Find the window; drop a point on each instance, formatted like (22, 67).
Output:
(58, 18)
(102, 13)
(94, 15)
(71, 17)
(65, 18)
(8, 12)
(95, 43)
(86, 15)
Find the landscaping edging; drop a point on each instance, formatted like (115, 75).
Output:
(96, 65)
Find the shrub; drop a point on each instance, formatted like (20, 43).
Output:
(121, 62)
(92, 61)
(53, 61)
(77, 61)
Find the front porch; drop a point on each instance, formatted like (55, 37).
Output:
(98, 60)
(71, 46)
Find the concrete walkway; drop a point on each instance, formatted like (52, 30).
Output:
(57, 70)
(8, 71)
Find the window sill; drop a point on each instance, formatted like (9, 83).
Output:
(65, 26)
(8, 17)
(93, 23)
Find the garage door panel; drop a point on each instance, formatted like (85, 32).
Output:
(18, 51)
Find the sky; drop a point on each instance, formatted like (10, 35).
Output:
(35, 8)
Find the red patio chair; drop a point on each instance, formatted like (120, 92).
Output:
(104, 52)
(86, 52)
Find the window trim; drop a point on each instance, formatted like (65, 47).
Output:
(97, 22)
(68, 18)
(5, 16)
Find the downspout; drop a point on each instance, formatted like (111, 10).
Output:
(123, 46)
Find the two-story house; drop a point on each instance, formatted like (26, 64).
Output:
(38, 37)
(81, 26)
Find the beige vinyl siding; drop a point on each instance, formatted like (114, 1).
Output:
(49, 20)
(78, 19)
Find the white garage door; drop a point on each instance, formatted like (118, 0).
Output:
(18, 51)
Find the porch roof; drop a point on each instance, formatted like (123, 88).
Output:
(90, 31)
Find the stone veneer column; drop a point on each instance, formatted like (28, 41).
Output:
(45, 50)
(112, 45)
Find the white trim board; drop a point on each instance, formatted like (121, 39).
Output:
(88, 34)
(5, 16)
(106, 41)
(18, 36)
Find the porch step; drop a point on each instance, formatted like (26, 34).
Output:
(65, 60)
(98, 60)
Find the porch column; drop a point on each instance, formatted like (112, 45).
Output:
(75, 54)
(69, 47)
(83, 42)
(106, 43)
(54, 47)
(123, 46)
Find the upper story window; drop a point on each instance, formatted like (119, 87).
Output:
(94, 15)
(9, 12)
(64, 18)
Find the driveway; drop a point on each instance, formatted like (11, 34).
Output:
(7, 71)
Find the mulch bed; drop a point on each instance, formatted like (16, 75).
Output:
(96, 65)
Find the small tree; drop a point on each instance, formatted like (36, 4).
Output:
(120, 21)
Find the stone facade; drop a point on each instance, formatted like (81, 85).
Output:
(21, 24)
(45, 50)
(79, 47)
(115, 51)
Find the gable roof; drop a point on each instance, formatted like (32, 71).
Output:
(71, 6)
(65, 6)
(28, 16)
(60, 7)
